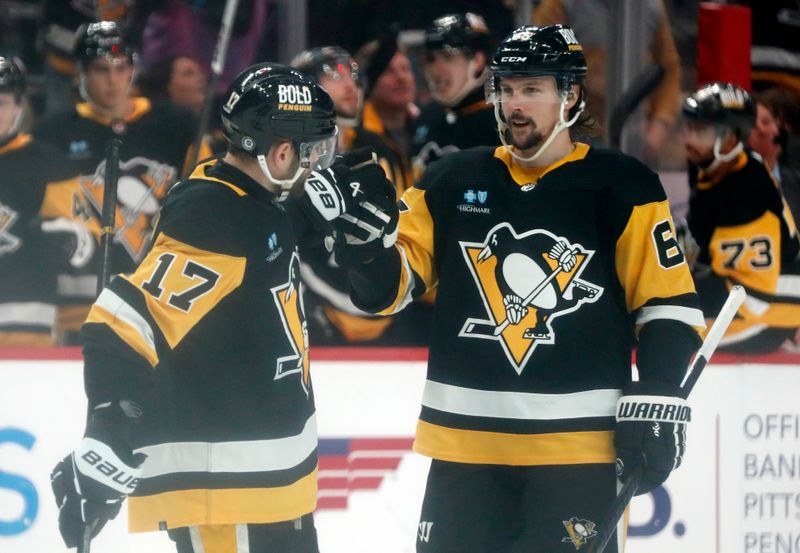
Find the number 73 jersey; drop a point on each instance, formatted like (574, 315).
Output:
(212, 322)
(746, 233)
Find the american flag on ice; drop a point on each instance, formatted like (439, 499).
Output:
(348, 464)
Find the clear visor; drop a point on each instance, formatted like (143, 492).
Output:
(318, 155)
(702, 133)
(522, 90)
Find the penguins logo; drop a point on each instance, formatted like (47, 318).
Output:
(288, 298)
(8, 242)
(580, 531)
(143, 184)
(525, 281)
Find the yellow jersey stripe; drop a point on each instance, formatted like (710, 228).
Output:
(525, 175)
(223, 506)
(472, 446)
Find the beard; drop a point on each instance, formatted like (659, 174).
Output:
(535, 138)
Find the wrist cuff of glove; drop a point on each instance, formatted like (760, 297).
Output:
(653, 407)
(98, 461)
(651, 388)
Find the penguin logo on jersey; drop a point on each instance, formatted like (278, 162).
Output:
(526, 281)
(580, 531)
(289, 300)
(143, 184)
(8, 242)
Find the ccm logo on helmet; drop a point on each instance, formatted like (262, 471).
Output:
(513, 59)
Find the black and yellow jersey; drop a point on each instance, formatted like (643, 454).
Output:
(36, 182)
(747, 235)
(398, 165)
(209, 335)
(544, 276)
(440, 130)
(155, 140)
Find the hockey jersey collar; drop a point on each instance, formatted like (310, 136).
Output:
(704, 182)
(15, 143)
(526, 175)
(474, 101)
(141, 106)
(218, 171)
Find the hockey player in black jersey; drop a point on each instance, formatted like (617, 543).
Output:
(741, 224)
(553, 260)
(333, 319)
(196, 364)
(38, 236)
(155, 139)
(457, 47)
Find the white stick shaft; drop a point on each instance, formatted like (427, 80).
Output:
(221, 51)
(726, 314)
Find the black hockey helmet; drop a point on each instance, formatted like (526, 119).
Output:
(551, 50)
(723, 105)
(12, 77)
(100, 39)
(270, 101)
(327, 60)
(461, 32)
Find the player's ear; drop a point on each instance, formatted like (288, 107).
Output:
(573, 95)
(480, 63)
(281, 157)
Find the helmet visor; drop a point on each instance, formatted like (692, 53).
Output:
(318, 155)
(519, 89)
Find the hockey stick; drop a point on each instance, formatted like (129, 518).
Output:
(217, 66)
(608, 525)
(488, 329)
(109, 213)
(86, 540)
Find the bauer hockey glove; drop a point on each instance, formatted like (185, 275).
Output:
(651, 429)
(90, 483)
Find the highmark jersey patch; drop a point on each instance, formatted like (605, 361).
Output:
(526, 281)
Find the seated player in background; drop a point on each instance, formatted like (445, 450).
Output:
(155, 140)
(333, 320)
(743, 228)
(38, 237)
(456, 50)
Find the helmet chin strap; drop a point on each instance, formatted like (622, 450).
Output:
(471, 84)
(342, 121)
(284, 185)
(720, 158)
(560, 126)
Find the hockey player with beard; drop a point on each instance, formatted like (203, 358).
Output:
(155, 140)
(457, 48)
(553, 260)
(196, 365)
(333, 319)
(744, 229)
(38, 236)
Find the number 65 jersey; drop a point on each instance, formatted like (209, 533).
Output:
(543, 278)
(209, 336)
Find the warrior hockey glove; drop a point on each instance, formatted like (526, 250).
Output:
(90, 483)
(651, 429)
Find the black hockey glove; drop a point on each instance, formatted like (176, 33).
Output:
(358, 200)
(651, 429)
(65, 240)
(90, 483)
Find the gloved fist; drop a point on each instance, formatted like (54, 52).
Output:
(90, 483)
(67, 240)
(651, 429)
